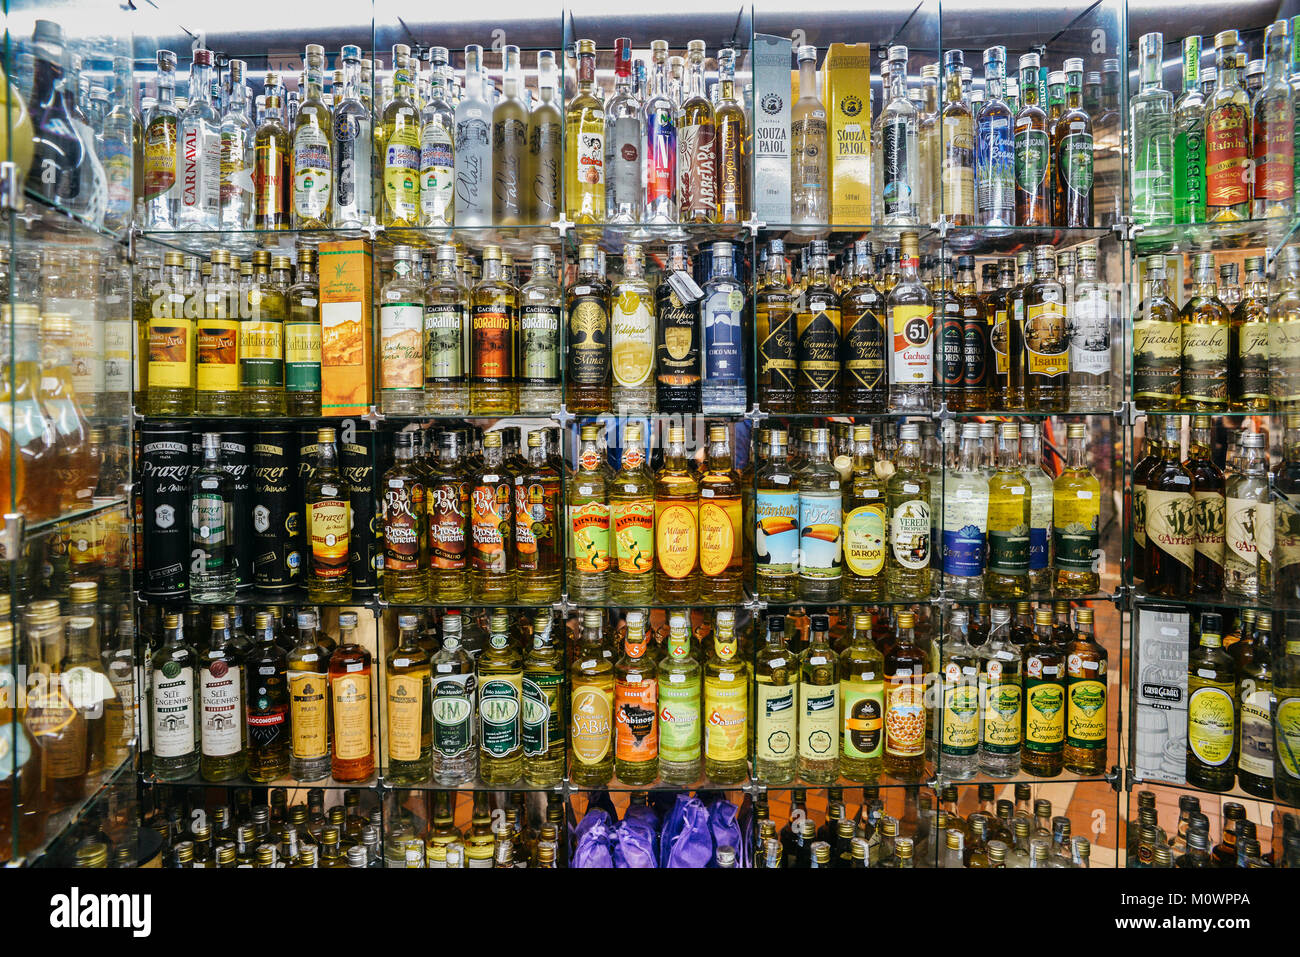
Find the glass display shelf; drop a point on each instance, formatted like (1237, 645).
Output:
(1217, 413)
(937, 597)
(1208, 602)
(1235, 234)
(195, 781)
(655, 237)
(1233, 794)
(936, 412)
(100, 506)
(255, 596)
(284, 241)
(63, 821)
(41, 219)
(1009, 240)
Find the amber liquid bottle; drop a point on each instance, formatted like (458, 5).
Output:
(1170, 521)
(722, 540)
(774, 315)
(1033, 151)
(677, 500)
(862, 314)
(1006, 343)
(905, 722)
(1208, 501)
(351, 691)
(1047, 340)
(587, 344)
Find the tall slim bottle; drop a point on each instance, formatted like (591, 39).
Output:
(809, 170)
(1227, 138)
(1189, 140)
(677, 343)
(401, 336)
(351, 688)
(351, 155)
(198, 153)
(538, 349)
(636, 707)
(819, 706)
(907, 499)
(491, 526)
(864, 524)
(1151, 154)
(819, 337)
(329, 524)
(910, 324)
(820, 523)
(1009, 508)
(493, 317)
(864, 386)
(632, 520)
(174, 705)
(1042, 751)
(455, 707)
(591, 706)
(400, 147)
(899, 151)
(995, 162)
(589, 553)
(957, 166)
(726, 716)
(584, 136)
(723, 390)
(500, 670)
(1033, 150)
(677, 498)
(623, 137)
(510, 144)
(776, 700)
(587, 341)
(697, 172)
(313, 136)
(537, 517)
(307, 671)
(632, 335)
(222, 725)
(679, 705)
(904, 702)
(545, 145)
(660, 126)
(722, 539)
(161, 187)
(775, 334)
(1072, 155)
(473, 159)
(1273, 127)
(544, 704)
(409, 727)
(237, 132)
(731, 139)
(272, 203)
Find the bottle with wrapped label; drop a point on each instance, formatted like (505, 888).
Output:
(636, 707)
(904, 702)
(907, 500)
(818, 337)
(402, 496)
(222, 727)
(307, 671)
(313, 138)
(677, 501)
(537, 556)
(725, 717)
(399, 147)
(820, 524)
(591, 706)
(776, 717)
(491, 526)
(819, 707)
(409, 731)
(584, 134)
(1046, 337)
(1076, 519)
(1205, 342)
(1208, 502)
(1042, 751)
(1248, 523)
(544, 719)
(217, 335)
(910, 327)
(1212, 711)
(351, 686)
(1227, 137)
(329, 525)
(454, 707)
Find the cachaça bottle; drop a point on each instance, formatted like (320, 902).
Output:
(776, 535)
(494, 314)
(447, 510)
(272, 162)
(584, 136)
(409, 729)
(267, 698)
(1248, 523)
(1076, 519)
(623, 158)
(1248, 358)
(510, 144)
(731, 141)
(1007, 343)
(1000, 695)
(1286, 717)
(1086, 700)
(591, 706)
(224, 753)
(1072, 155)
(212, 509)
(957, 139)
(545, 143)
(168, 350)
(863, 384)
(958, 733)
(820, 522)
(818, 337)
(1273, 129)
(1033, 150)
(722, 312)
(907, 499)
(900, 153)
(697, 170)
(636, 707)
(721, 523)
(491, 526)
(1170, 511)
(1040, 508)
(1227, 137)
(910, 324)
(587, 344)
(500, 671)
(401, 334)
(776, 695)
(949, 346)
(1157, 344)
(1046, 337)
(865, 532)
(726, 717)
(1212, 711)
(632, 517)
(819, 706)
(904, 702)
(679, 705)
(677, 348)
(1153, 438)
(1042, 751)
(399, 148)
(809, 158)
(261, 336)
(174, 705)
(309, 704)
(406, 552)
(302, 334)
(539, 337)
(446, 329)
(862, 705)
(1205, 335)
(543, 705)
(1189, 140)
(329, 523)
(454, 707)
(537, 507)
(313, 136)
(1284, 332)
(1208, 502)
(965, 519)
(472, 146)
(677, 502)
(773, 313)
(589, 554)
(352, 744)
(353, 138)
(216, 341)
(1286, 515)
(1009, 510)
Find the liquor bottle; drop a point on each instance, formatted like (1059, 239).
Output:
(636, 707)
(677, 496)
(545, 143)
(1211, 711)
(864, 388)
(76, 462)
(1227, 137)
(1089, 332)
(409, 726)
(1248, 341)
(467, 198)
(1189, 140)
(1153, 437)
(510, 144)
(1009, 508)
(1151, 156)
(537, 504)
(1040, 509)
(1273, 128)
(929, 145)
(959, 718)
(237, 132)
(904, 702)
(587, 572)
(1204, 381)
(1047, 342)
(1284, 332)
(965, 519)
(584, 136)
(864, 524)
(1006, 340)
(1157, 344)
(1254, 696)
(725, 717)
(697, 171)
(1076, 517)
(1248, 523)
(591, 706)
(1286, 515)
(1042, 751)
(732, 138)
(167, 352)
(957, 165)
(907, 496)
(949, 345)
(1072, 155)
(539, 336)
(272, 206)
(660, 129)
(261, 334)
(862, 692)
(995, 158)
(174, 705)
(446, 326)
(632, 516)
(447, 508)
(1085, 692)
(820, 522)
(329, 523)
(399, 134)
(543, 705)
(454, 708)
(491, 526)
(776, 533)
(267, 703)
(818, 328)
(809, 164)
(1170, 521)
(216, 341)
(819, 707)
(406, 542)
(309, 704)
(1286, 695)
(677, 344)
(212, 578)
(776, 694)
(723, 390)
(302, 339)
(1000, 694)
(352, 756)
(353, 136)
(632, 337)
(777, 351)
(401, 332)
(1033, 151)
(494, 304)
(588, 339)
(975, 324)
(1207, 496)
(679, 706)
(161, 133)
(500, 689)
(623, 137)
(222, 729)
(910, 314)
(899, 124)
(198, 153)
(313, 135)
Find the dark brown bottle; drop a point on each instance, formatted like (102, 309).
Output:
(774, 314)
(1207, 493)
(1072, 155)
(950, 360)
(1033, 151)
(1007, 337)
(1141, 472)
(975, 338)
(1170, 521)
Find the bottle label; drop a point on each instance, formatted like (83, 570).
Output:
(909, 534)
(535, 524)
(777, 720)
(974, 349)
(270, 183)
(864, 350)
(679, 718)
(401, 357)
(302, 356)
(351, 695)
(308, 715)
(1044, 713)
(726, 718)
(1090, 336)
(913, 345)
(352, 147)
(217, 345)
(437, 192)
(236, 178)
(509, 146)
(403, 510)
(678, 353)
(406, 710)
(995, 170)
(864, 711)
(444, 326)
(1286, 723)
(958, 173)
(453, 712)
(51, 715)
(819, 534)
(1001, 711)
(819, 721)
(588, 342)
(1227, 152)
(1274, 149)
(589, 545)
(169, 354)
(539, 345)
(328, 528)
(1157, 358)
(490, 521)
(545, 140)
(777, 534)
(491, 353)
(961, 717)
(625, 169)
(472, 162)
(199, 175)
(1171, 524)
(1189, 170)
(208, 514)
(221, 693)
(723, 342)
(498, 710)
(676, 537)
(905, 716)
(541, 712)
(311, 172)
(1075, 534)
(1086, 711)
(1076, 157)
(632, 346)
(776, 349)
(1032, 160)
(1211, 726)
(661, 157)
(591, 731)
(697, 171)
(965, 529)
(1243, 522)
(1284, 354)
(173, 711)
(898, 150)
(1205, 361)
(1140, 516)
(720, 535)
(636, 726)
(402, 173)
(864, 540)
(998, 340)
(1040, 524)
(1009, 533)
(261, 355)
(819, 344)
(1046, 341)
(160, 158)
(634, 535)
(1252, 357)
(447, 506)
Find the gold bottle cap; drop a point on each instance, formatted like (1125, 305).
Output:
(262, 258)
(6, 635)
(325, 435)
(633, 432)
(492, 252)
(906, 619)
(588, 251)
(226, 854)
(492, 440)
(266, 856)
(282, 262)
(586, 46)
(1265, 621)
(1043, 616)
(219, 619)
(56, 324)
(1225, 38)
(676, 434)
(862, 622)
(1010, 430)
(1076, 430)
(42, 612)
(592, 618)
(245, 269)
(590, 433)
(695, 46)
(1060, 606)
(536, 439)
(862, 433)
(95, 854)
(717, 433)
(1083, 616)
(954, 839)
(83, 593)
(171, 621)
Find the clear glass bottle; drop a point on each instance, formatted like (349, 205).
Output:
(722, 538)
(819, 336)
(899, 152)
(500, 688)
(776, 718)
(907, 499)
(1227, 137)
(1009, 507)
(957, 166)
(1086, 711)
(584, 136)
(353, 131)
(723, 390)
(809, 170)
(1151, 155)
(302, 336)
(905, 705)
(545, 143)
(660, 128)
(446, 319)
(731, 139)
(1076, 519)
(161, 188)
(1205, 342)
(1189, 140)
(1040, 508)
(401, 336)
(910, 317)
(623, 139)
(211, 512)
(399, 134)
(313, 138)
(819, 707)
(351, 686)
(1072, 155)
(959, 720)
(540, 307)
(223, 732)
(776, 535)
(510, 144)
(965, 519)
(237, 132)
(697, 172)
(216, 341)
(261, 335)
(591, 706)
(1042, 750)
(632, 519)
(198, 154)
(1089, 331)
(1000, 699)
(272, 205)
(1248, 523)
(173, 705)
(455, 707)
(1046, 337)
(1273, 128)
(632, 332)
(995, 168)
(820, 523)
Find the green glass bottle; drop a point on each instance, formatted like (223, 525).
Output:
(543, 703)
(500, 687)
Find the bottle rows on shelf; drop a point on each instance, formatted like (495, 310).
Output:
(1189, 843)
